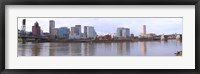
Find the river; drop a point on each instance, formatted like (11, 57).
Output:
(140, 48)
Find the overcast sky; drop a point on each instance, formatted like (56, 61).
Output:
(109, 25)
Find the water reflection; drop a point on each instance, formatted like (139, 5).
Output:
(143, 48)
(154, 48)
(52, 49)
(36, 49)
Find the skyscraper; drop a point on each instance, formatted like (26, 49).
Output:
(123, 32)
(51, 29)
(119, 31)
(55, 32)
(85, 31)
(91, 33)
(72, 34)
(23, 27)
(36, 29)
(143, 30)
(63, 32)
(72, 31)
(78, 30)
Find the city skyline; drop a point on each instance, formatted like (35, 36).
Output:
(110, 25)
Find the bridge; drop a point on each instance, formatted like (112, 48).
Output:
(36, 38)
(33, 37)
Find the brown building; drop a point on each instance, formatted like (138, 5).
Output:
(36, 29)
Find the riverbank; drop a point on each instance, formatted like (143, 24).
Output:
(91, 41)
(178, 53)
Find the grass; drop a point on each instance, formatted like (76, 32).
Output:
(20, 39)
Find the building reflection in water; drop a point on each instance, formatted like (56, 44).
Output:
(163, 41)
(23, 50)
(178, 42)
(123, 48)
(75, 49)
(89, 49)
(36, 49)
(60, 49)
(143, 48)
(52, 49)
(107, 49)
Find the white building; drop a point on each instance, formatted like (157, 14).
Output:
(55, 31)
(74, 33)
(91, 32)
(143, 30)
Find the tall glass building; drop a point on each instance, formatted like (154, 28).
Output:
(123, 32)
(91, 33)
(63, 32)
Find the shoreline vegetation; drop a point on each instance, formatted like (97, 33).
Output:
(178, 53)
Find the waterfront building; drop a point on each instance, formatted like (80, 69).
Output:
(150, 35)
(36, 29)
(163, 37)
(41, 32)
(123, 32)
(83, 35)
(63, 32)
(51, 29)
(143, 30)
(132, 35)
(78, 30)
(55, 32)
(46, 34)
(85, 31)
(72, 33)
(178, 37)
(91, 33)
(75, 32)
(119, 32)
(23, 30)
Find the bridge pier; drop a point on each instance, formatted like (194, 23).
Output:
(23, 40)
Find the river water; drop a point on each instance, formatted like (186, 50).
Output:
(141, 48)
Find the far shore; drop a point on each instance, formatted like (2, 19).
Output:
(93, 41)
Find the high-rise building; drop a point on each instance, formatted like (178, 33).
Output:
(119, 31)
(78, 30)
(143, 30)
(127, 32)
(91, 33)
(23, 27)
(123, 32)
(72, 33)
(36, 29)
(85, 31)
(55, 32)
(63, 32)
(41, 32)
(51, 29)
